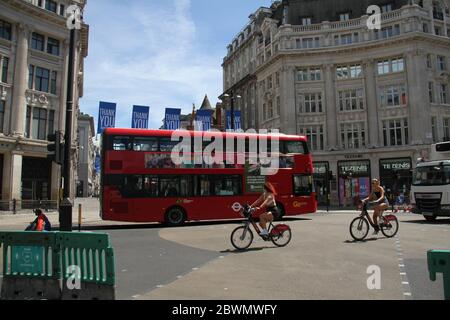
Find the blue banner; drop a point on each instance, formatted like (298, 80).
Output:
(172, 120)
(203, 120)
(237, 120)
(140, 117)
(106, 116)
(97, 164)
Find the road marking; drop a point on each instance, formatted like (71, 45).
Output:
(403, 276)
(179, 277)
(195, 269)
(408, 294)
(401, 265)
(136, 296)
(160, 286)
(405, 282)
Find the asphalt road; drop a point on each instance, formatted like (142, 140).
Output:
(322, 262)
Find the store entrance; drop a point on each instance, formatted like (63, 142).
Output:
(36, 177)
(354, 182)
(396, 177)
(321, 182)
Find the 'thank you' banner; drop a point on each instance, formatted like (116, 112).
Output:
(106, 116)
(140, 117)
(172, 120)
(237, 120)
(203, 120)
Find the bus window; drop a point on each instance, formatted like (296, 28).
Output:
(204, 186)
(169, 187)
(227, 186)
(186, 186)
(303, 185)
(145, 144)
(151, 186)
(296, 147)
(166, 144)
(121, 143)
(132, 187)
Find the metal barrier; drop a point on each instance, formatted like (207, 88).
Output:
(30, 266)
(89, 259)
(14, 206)
(439, 262)
(57, 265)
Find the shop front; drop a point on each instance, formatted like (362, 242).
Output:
(354, 182)
(396, 178)
(321, 181)
(36, 180)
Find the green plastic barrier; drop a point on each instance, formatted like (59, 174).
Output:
(89, 259)
(31, 266)
(439, 262)
(34, 263)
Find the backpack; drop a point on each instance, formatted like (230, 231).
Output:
(48, 225)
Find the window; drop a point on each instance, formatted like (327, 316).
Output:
(391, 66)
(53, 82)
(204, 186)
(62, 10)
(2, 115)
(386, 7)
(145, 144)
(347, 72)
(53, 46)
(166, 145)
(344, 16)
(444, 93)
(434, 129)
(270, 109)
(278, 106)
(30, 77)
(431, 91)
(392, 96)
(270, 82)
(311, 103)
(315, 136)
(51, 121)
(351, 100)
(441, 63)
(277, 79)
(227, 185)
(5, 66)
(395, 132)
(438, 13)
(37, 41)
(306, 21)
(429, 63)
(308, 43)
(353, 135)
(447, 129)
(346, 39)
(292, 147)
(28, 123)
(387, 32)
(42, 79)
(309, 74)
(5, 30)
(39, 124)
(303, 185)
(121, 143)
(51, 5)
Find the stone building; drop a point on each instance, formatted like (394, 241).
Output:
(34, 43)
(86, 183)
(370, 101)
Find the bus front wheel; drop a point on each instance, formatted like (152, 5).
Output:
(175, 217)
(430, 218)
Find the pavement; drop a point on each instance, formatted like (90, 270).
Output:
(198, 262)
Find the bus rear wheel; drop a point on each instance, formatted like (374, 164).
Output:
(175, 217)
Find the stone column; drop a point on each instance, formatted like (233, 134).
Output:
(418, 102)
(20, 86)
(331, 107)
(371, 103)
(12, 176)
(288, 118)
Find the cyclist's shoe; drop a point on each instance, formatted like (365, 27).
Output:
(264, 233)
(377, 231)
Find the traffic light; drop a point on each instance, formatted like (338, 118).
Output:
(55, 148)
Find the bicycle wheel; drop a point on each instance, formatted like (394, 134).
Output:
(390, 230)
(359, 229)
(242, 238)
(282, 239)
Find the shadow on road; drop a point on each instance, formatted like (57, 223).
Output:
(363, 241)
(431, 223)
(235, 251)
(162, 226)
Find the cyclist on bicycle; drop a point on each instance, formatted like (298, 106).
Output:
(266, 200)
(378, 196)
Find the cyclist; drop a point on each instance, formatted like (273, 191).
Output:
(266, 200)
(378, 196)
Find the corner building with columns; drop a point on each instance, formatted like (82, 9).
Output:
(371, 102)
(34, 54)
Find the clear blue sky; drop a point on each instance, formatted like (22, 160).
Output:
(158, 53)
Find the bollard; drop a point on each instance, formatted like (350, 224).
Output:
(79, 217)
(439, 262)
(14, 206)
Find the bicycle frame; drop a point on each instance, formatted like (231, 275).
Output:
(365, 214)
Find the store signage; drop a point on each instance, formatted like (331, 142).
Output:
(397, 164)
(354, 168)
(320, 168)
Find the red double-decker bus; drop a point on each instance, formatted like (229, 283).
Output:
(141, 183)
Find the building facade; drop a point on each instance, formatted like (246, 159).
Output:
(86, 183)
(370, 102)
(34, 51)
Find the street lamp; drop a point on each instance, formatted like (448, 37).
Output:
(232, 98)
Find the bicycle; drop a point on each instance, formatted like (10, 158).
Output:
(242, 237)
(359, 228)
